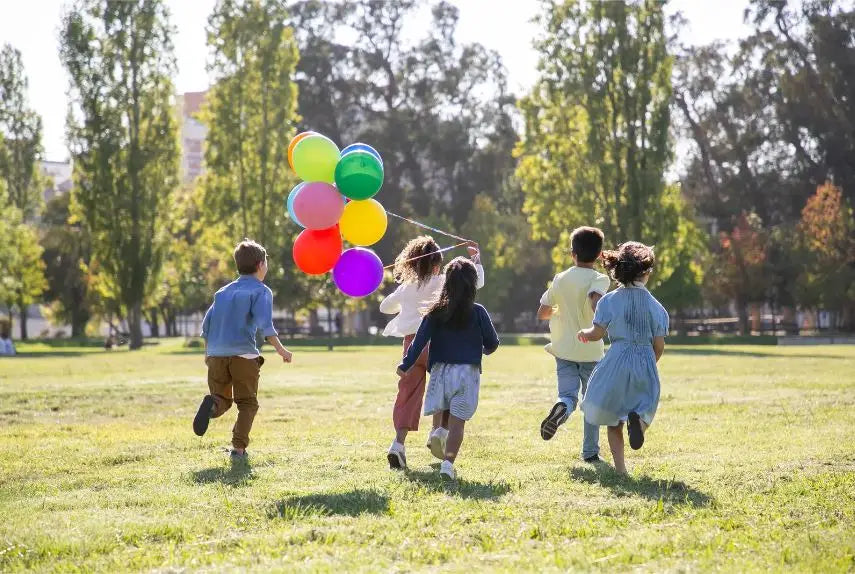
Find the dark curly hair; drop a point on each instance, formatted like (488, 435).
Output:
(454, 305)
(629, 262)
(417, 261)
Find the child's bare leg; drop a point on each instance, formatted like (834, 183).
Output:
(616, 446)
(440, 419)
(401, 435)
(455, 437)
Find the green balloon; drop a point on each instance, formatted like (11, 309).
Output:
(359, 175)
(315, 158)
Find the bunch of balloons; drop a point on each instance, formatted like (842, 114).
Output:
(334, 202)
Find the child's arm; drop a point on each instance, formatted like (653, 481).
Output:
(277, 344)
(421, 340)
(475, 255)
(658, 347)
(591, 334)
(547, 305)
(262, 309)
(391, 304)
(594, 298)
(488, 333)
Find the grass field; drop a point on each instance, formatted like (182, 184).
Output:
(749, 466)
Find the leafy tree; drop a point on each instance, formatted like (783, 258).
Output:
(250, 113)
(741, 266)
(123, 137)
(596, 142)
(20, 150)
(21, 128)
(67, 253)
(23, 278)
(826, 233)
(437, 110)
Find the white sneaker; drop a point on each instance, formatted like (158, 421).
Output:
(397, 457)
(447, 472)
(438, 439)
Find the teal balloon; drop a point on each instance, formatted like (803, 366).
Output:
(362, 147)
(359, 175)
(289, 204)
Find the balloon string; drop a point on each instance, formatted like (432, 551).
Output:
(427, 254)
(429, 228)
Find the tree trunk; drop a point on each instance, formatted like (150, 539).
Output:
(329, 328)
(135, 326)
(78, 326)
(23, 309)
(744, 320)
(153, 324)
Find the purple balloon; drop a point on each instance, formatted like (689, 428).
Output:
(358, 272)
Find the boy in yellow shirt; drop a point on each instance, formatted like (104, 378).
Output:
(569, 305)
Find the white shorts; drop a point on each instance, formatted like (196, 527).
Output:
(453, 388)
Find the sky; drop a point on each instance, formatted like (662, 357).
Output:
(32, 26)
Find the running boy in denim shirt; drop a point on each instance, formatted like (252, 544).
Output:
(569, 305)
(239, 310)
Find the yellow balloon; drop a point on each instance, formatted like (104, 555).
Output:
(364, 222)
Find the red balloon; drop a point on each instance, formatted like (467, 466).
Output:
(316, 251)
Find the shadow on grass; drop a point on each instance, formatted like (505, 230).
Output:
(463, 488)
(351, 503)
(672, 491)
(708, 351)
(238, 474)
(46, 354)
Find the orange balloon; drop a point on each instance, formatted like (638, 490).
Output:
(293, 144)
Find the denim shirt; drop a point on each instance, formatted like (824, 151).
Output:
(241, 308)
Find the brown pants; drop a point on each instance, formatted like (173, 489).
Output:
(235, 379)
(411, 392)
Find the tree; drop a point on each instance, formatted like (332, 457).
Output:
(596, 142)
(66, 255)
(741, 266)
(123, 136)
(23, 279)
(826, 234)
(21, 128)
(439, 112)
(250, 112)
(20, 150)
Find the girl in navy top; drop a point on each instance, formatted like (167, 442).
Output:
(460, 332)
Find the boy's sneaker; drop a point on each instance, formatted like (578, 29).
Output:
(239, 456)
(438, 439)
(203, 415)
(593, 459)
(447, 472)
(633, 428)
(397, 457)
(553, 420)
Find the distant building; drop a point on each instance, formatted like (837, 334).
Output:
(60, 174)
(193, 134)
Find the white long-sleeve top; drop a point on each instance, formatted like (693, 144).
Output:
(410, 299)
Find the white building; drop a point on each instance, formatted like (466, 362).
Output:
(193, 134)
(60, 174)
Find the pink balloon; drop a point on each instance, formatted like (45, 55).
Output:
(318, 205)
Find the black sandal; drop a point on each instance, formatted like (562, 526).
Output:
(633, 427)
(553, 420)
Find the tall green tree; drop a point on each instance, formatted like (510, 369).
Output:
(596, 142)
(23, 279)
(440, 113)
(250, 113)
(20, 151)
(123, 136)
(67, 254)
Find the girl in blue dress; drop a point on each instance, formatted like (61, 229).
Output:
(624, 387)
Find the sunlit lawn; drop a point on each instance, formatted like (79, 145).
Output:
(750, 466)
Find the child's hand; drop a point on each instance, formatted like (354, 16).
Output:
(474, 251)
(582, 336)
(286, 355)
(400, 372)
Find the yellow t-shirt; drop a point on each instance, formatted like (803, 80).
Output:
(569, 295)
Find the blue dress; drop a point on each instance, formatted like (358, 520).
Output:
(626, 380)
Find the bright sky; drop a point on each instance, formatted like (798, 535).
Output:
(32, 27)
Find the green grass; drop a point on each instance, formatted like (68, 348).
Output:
(749, 466)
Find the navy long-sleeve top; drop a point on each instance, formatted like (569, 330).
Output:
(454, 346)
